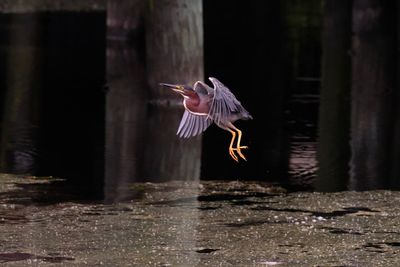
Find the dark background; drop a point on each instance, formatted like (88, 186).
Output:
(80, 100)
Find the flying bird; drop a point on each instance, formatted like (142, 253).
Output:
(205, 105)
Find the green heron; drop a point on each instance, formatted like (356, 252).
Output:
(205, 105)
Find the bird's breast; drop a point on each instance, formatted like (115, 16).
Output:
(200, 108)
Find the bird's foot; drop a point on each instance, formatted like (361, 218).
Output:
(239, 152)
(233, 154)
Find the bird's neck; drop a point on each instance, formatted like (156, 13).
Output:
(191, 102)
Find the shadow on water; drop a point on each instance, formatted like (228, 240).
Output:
(48, 193)
(19, 256)
(326, 215)
(234, 199)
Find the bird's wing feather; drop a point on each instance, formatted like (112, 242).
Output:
(192, 125)
(224, 102)
(202, 88)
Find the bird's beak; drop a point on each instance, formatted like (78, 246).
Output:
(176, 87)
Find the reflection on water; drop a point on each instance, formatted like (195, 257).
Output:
(52, 67)
(303, 142)
(125, 116)
(20, 69)
(20, 152)
(303, 163)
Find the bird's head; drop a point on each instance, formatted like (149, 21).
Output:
(185, 90)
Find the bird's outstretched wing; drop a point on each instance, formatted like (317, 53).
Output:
(202, 88)
(192, 125)
(224, 103)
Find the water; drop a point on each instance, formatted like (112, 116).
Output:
(302, 126)
(216, 223)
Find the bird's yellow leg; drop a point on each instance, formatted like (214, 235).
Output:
(231, 149)
(238, 146)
